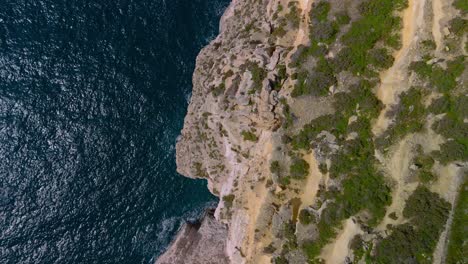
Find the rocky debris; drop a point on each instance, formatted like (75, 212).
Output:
(198, 243)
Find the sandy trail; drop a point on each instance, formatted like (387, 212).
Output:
(447, 186)
(337, 251)
(398, 169)
(303, 31)
(393, 81)
(312, 183)
(436, 28)
(254, 200)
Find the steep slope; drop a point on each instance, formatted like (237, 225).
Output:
(332, 131)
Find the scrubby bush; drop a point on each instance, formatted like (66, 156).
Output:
(409, 116)
(306, 217)
(381, 58)
(451, 127)
(459, 26)
(320, 10)
(228, 200)
(275, 167)
(324, 31)
(218, 90)
(462, 5)
(258, 75)
(316, 83)
(293, 16)
(342, 18)
(323, 168)
(284, 181)
(377, 23)
(452, 150)
(248, 135)
(415, 240)
(441, 79)
(299, 168)
(310, 131)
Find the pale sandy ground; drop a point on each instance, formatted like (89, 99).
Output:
(398, 169)
(253, 200)
(447, 186)
(394, 80)
(312, 183)
(436, 28)
(336, 252)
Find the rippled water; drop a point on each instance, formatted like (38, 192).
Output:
(92, 97)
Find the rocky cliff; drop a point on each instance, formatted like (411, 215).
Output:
(332, 131)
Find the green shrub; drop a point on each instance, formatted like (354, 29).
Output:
(217, 91)
(280, 260)
(320, 10)
(429, 44)
(415, 240)
(462, 5)
(305, 217)
(284, 181)
(440, 105)
(316, 83)
(324, 31)
(269, 249)
(451, 127)
(441, 79)
(275, 167)
(293, 16)
(381, 58)
(421, 68)
(200, 172)
(459, 26)
(258, 75)
(452, 150)
(377, 23)
(299, 168)
(409, 116)
(288, 120)
(310, 131)
(228, 200)
(323, 168)
(247, 135)
(342, 18)
(424, 164)
(279, 31)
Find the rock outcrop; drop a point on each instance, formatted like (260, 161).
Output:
(321, 132)
(198, 243)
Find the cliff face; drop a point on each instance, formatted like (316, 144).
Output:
(202, 242)
(323, 126)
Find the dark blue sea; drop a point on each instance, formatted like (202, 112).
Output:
(92, 98)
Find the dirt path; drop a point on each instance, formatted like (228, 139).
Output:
(436, 28)
(394, 80)
(312, 183)
(447, 186)
(254, 199)
(336, 252)
(398, 168)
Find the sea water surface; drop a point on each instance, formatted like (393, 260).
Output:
(92, 97)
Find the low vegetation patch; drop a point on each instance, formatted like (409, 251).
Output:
(299, 168)
(457, 251)
(415, 240)
(409, 117)
(229, 200)
(249, 136)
